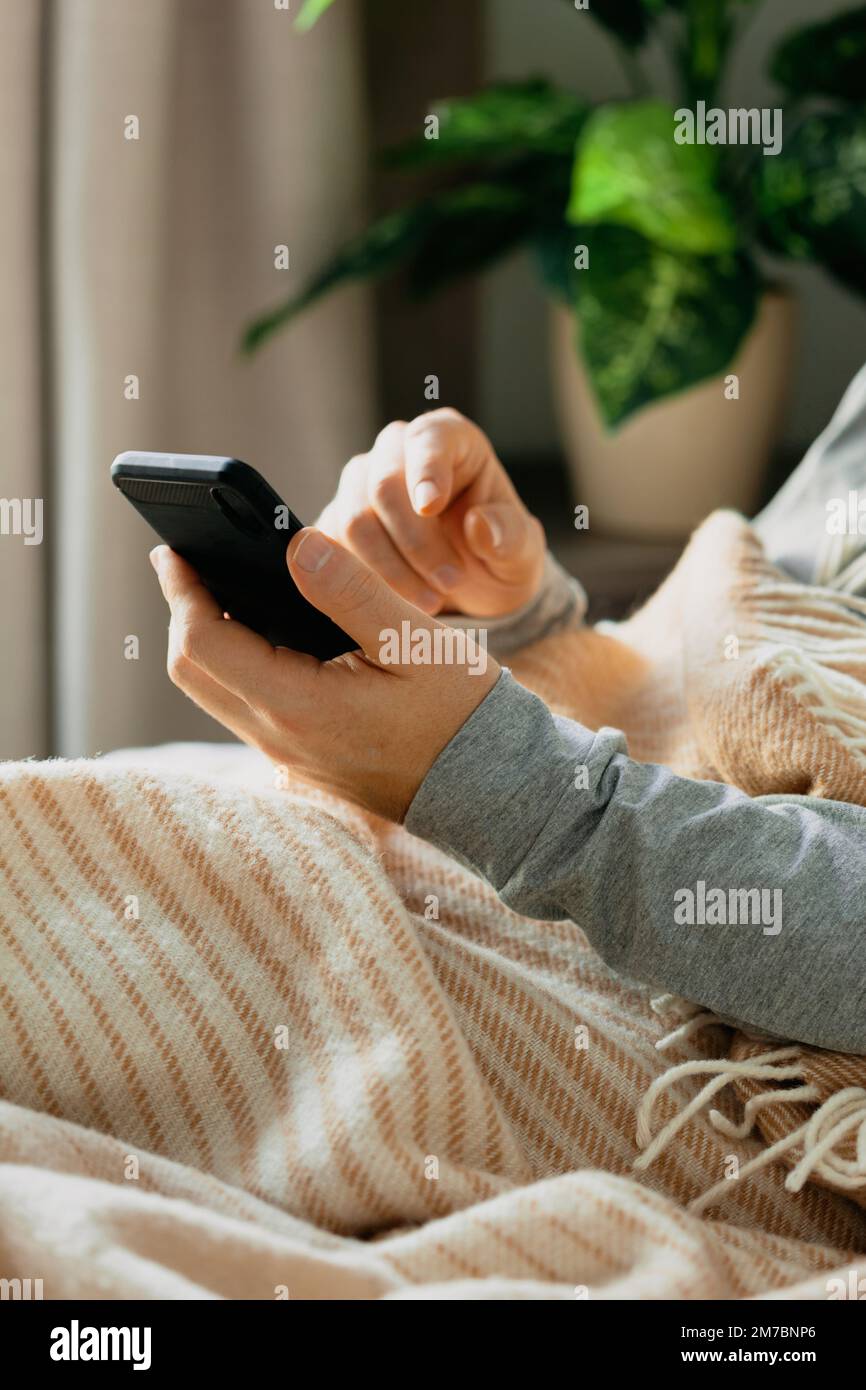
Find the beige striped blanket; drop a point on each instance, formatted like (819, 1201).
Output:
(255, 1044)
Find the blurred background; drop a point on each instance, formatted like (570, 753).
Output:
(155, 155)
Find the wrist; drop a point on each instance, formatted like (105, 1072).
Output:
(559, 602)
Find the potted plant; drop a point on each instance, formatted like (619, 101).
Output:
(649, 221)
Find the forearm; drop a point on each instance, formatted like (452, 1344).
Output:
(564, 824)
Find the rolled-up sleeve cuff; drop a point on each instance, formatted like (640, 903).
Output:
(559, 604)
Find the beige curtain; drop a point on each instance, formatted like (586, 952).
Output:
(23, 654)
(143, 258)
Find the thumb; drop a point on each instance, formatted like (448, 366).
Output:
(505, 538)
(340, 585)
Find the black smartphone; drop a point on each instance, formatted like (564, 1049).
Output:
(222, 517)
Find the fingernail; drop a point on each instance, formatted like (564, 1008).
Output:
(425, 493)
(494, 526)
(154, 558)
(314, 552)
(447, 577)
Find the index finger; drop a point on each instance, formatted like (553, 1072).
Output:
(444, 454)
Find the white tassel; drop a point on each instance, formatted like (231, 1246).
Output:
(834, 697)
(672, 1006)
(686, 1030)
(763, 1160)
(819, 1136)
(721, 1072)
(838, 1116)
(727, 1127)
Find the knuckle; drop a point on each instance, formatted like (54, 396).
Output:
(391, 434)
(357, 590)
(184, 647)
(178, 666)
(442, 415)
(356, 465)
(187, 645)
(360, 529)
(387, 488)
(415, 547)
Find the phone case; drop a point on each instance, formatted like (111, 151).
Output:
(222, 517)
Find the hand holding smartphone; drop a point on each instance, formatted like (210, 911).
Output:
(221, 516)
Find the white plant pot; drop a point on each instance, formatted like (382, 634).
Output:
(667, 467)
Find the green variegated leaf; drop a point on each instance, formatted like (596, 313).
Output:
(555, 249)
(501, 121)
(653, 322)
(812, 196)
(381, 248)
(473, 228)
(629, 20)
(629, 170)
(311, 11)
(446, 236)
(827, 59)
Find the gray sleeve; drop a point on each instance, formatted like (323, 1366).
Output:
(559, 603)
(753, 907)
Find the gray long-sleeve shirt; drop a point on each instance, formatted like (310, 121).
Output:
(753, 907)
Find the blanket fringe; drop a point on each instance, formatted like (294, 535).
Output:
(834, 697)
(820, 1136)
(831, 686)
